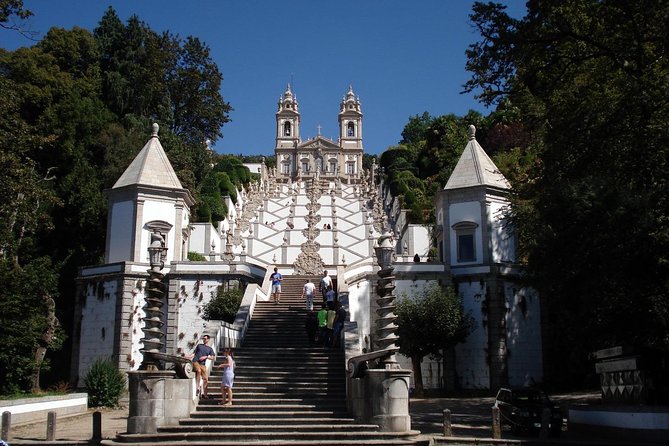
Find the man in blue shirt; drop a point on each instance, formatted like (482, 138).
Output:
(200, 355)
(276, 278)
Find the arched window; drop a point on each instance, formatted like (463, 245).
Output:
(350, 129)
(286, 128)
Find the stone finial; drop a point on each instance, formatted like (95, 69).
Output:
(154, 129)
(472, 132)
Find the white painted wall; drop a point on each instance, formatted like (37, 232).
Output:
(471, 366)
(420, 236)
(120, 234)
(193, 295)
(523, 322)
(503, 238)
(201, 236)
(359, 305)
(136, 324)
(97, 325)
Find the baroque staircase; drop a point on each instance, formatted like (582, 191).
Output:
(285, 391)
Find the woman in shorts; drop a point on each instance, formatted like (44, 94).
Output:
(228, 379)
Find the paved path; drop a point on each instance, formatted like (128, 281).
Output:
(470, 417)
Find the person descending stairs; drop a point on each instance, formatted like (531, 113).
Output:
(285, 390)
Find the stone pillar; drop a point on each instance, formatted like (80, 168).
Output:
(387, 395)
(157, 399)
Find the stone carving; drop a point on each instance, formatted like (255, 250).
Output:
(308, 262)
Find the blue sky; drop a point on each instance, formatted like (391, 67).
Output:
(401, 57)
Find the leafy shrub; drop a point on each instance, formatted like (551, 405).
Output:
(61, 387)
(105, 384)
(196, 257)
(224, 306)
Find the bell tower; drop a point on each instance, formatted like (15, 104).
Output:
(350, 121)
(287, 121)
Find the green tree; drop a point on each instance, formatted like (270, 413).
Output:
(593, 214)
(74, 112)
(224, 306)
(12, 13)
(415, 130)
(429, 322)
(197, 108)
(28, 322)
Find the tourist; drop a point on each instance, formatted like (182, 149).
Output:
(330, 298)
(308, 293)
(416, 258)
(322, 325)
(338, 324)
(276, 279)
(311, 327)
(199, 357)
(329, 325)
(228, 378)
(323, 285)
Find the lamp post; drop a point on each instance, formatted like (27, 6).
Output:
(386, 326)
(152, 342)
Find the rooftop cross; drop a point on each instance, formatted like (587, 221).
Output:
(318, 127)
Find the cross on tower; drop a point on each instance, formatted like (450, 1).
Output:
(318, 127)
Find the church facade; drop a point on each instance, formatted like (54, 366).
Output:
(319, 157)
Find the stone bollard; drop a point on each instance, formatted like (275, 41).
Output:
(448, 428)
(496, 424)
(6, 425)
(97, 425)
(51, 426)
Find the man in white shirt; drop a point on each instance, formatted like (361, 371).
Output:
(323, 285)
(308, 293)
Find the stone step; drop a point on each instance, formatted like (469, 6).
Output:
(285, 388)
(154, 440)
(235, 411)
(271, 400)
(216, 419)
(274, 437)
(286, 392)
(292, 427)
(243, 394)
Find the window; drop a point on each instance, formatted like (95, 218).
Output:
(350, 129)
(466, 248)
(350, 168)
(465, 234)
(305, 166)
(333, 166)
(286, 128)
(285, 168)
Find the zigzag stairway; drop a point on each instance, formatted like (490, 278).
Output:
(285, 391)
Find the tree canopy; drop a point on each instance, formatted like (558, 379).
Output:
(429, 322)
(76, 108)
(589, 81)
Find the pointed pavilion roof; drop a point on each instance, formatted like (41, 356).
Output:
(475, 168)
(151, 167)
